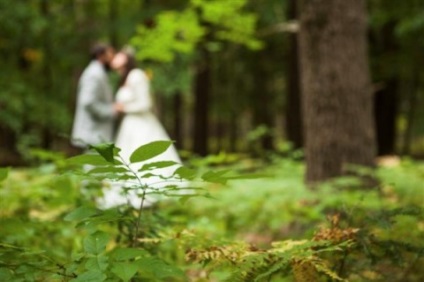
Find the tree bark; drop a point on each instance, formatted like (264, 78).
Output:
(385, 112)
(410, 114)
(386, 49)
(234, 132)
(337, 99)
(47, 138)
(178, 119)
(8, 152)
(113, 15)
(293, 117)
(201, 102)
(263, 114)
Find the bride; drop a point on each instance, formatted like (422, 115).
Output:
(139, 126)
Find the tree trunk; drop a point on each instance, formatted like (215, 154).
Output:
(113, 15)
(47, 137)
(201, 102)
(385, 112)
(337, 99)
(233, 132)
(8, 152)
(178, 120)
(263, 114)
(410, 114)
(220, 135)
(293, 117)
(385, 48)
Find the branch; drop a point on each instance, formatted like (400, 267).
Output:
(289, 26)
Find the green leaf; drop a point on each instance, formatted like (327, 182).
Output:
(247, 176)
(185, 173)
(99, 262)
(90, 226)
(148, 175)
(108, 216)
(158, 268)
(215, 176)
(4, 172)
(106, 150)
(81, 213)
(90, 276)
(127, 253)
(149, 151)
(96, 242)
(156, 165)
(125, 177)
(87, 159)
(183, 199)
(111, 215)
(108, 169)
(6, 274)
(125, 270)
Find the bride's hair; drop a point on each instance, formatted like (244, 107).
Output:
(129, 65)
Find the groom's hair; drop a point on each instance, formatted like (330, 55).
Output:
(98, 49)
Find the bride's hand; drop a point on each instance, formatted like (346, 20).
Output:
(118, 107)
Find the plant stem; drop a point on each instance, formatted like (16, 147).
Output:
(137, 224)
(143, 197)
(342, 264)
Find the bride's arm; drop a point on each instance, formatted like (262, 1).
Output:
(138, 82)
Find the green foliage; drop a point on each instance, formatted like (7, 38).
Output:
(3, 173)
(250, 264)
(201, 22)
(107, 151)
(264, 229)
(230, 25)
(149, 151)
(171, 78)
(173, 44)
(174, 32)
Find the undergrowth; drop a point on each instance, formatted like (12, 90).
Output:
(238, 220)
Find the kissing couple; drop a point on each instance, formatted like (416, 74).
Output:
(97, 112)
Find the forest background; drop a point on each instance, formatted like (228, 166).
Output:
(229, 85)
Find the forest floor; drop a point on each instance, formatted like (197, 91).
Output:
(387, 221)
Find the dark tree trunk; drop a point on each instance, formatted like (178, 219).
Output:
(47, 137)
(201, 102)
(410, 114)
(262, 101)
(385, 112)
(233, 133)
(178, 119)
(220, 135)
(8, 152)
(386, 97)
(337, 99)
(294, 126)
(113, 15)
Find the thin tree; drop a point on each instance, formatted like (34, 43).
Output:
(294, 128)
(201, 102)
(337, 99)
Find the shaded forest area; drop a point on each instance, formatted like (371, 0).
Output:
(218, 93)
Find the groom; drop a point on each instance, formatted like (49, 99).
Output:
(95, 110)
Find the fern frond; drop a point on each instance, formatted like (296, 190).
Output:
(321, 266)
(304, 271)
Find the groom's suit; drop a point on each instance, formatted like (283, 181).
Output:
(94, 114)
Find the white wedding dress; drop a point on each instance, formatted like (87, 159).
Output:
(139, 126)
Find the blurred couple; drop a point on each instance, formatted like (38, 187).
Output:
(97, 111)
